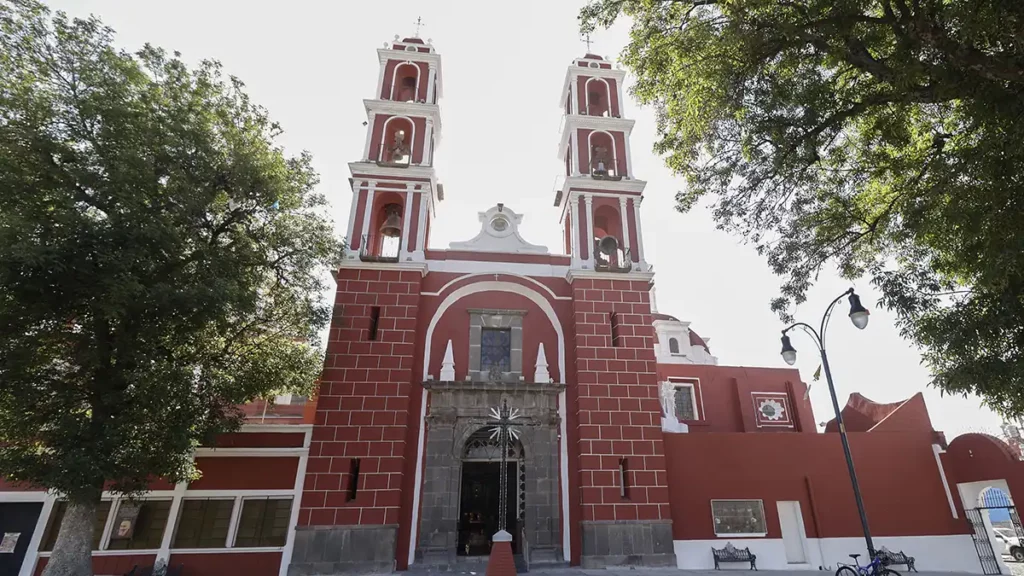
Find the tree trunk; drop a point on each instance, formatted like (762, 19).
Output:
(72, 553)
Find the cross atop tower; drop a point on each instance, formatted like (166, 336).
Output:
(588, 41)
(419, 22)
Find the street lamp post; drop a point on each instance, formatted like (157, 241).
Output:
(859, 316)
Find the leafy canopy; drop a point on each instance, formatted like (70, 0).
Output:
(161, 259)
(882, 137)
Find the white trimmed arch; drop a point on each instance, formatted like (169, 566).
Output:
(412, 137)
(590, 150)
(607, 93)
(416, 93)
(545, 306)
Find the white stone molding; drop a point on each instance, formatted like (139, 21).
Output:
(624, 215)
(589, 201)
(639, 233)
(371, 122)
(410, 188)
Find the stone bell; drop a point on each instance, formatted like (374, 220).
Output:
(392, 227)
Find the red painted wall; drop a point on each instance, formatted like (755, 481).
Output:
(6, 486)
(364, 401)
(726, 393)
(979, 457)
(109, 564)
(261, 440)
(454, 325)
(242, 564)
(903, 499)
(245, 473)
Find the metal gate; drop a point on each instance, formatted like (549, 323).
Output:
(979, 533)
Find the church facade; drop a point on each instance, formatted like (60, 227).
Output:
(633, 446)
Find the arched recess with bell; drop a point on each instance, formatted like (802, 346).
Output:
(610, 247)
(384, 238)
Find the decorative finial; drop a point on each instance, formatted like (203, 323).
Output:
(419, 22)
(448, 365)
(587, 41)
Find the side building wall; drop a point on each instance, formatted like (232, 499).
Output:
(906, 503)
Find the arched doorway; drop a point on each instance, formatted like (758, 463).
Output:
(479, 497)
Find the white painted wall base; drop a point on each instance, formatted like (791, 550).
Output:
(932, 553)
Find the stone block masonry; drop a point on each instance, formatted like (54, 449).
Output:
(358, 449)
(622, 472)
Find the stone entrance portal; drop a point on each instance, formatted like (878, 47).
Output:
(460, 488)
(480, 493)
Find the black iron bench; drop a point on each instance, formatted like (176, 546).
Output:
(890, 558)
(148, 570)
(733, 554)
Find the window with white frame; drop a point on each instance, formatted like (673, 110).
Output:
(673, 346)
(685, 401)
(139, 525)
(738, 517)
(203, 523)
(263, 522)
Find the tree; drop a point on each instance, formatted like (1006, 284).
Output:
(881, 137)
(161, 263)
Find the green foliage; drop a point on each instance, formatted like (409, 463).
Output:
(161, 260)
(882, 137)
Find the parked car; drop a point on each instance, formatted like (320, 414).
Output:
(1012, 545)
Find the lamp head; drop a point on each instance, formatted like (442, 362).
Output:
(788, 352)
(859, 315)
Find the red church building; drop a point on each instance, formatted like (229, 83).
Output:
(635, 446)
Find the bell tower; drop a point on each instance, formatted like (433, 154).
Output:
(615, 414)
(600, 198)
(394, 186)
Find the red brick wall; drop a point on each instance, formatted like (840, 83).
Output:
(618, 412)
(902, 499)
(363, 403)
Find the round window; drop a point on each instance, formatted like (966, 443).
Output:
(499, 224)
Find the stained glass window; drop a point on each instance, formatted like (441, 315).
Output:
(684, 404)
(495, 349)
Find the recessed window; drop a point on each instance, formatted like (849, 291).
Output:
(203, 524)
(374, 322)
(263, 522)
(624, 478)
(614, 320)
(146, 532)
(495, 349)
(353, 479)
(738, 517)
(57, 516)
(685, 405)
(673, 346)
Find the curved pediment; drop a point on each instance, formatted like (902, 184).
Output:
(499, 232)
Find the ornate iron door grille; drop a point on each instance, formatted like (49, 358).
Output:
(987, 556)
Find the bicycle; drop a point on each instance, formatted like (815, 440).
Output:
(874, 568)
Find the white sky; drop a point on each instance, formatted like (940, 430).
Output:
(312, 63)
